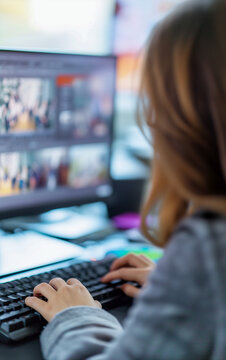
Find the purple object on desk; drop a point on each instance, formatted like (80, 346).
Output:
(127, 221)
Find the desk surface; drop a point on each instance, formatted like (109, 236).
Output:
(30, 349)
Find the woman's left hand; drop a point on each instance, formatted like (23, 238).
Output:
(60, 295)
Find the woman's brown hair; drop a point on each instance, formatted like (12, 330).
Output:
(183, 94)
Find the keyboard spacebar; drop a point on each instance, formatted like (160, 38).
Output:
(106, 293)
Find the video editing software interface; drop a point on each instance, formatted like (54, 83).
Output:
(56, 114)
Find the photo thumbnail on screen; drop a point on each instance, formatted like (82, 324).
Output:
(26, 105)
(86, 104)
(76, 167)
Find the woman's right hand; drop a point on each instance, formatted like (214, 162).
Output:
(131, 267)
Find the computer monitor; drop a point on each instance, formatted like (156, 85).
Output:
(56, 113)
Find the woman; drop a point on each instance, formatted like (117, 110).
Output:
(181, 311)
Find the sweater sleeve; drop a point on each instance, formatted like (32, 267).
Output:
(78, 333)
(173, 317)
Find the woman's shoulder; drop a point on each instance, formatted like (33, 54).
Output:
(197, 248)
(193, 264)
(203, 228)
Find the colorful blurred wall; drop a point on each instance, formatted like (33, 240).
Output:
(120, 27)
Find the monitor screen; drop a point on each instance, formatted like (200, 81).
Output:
(56, 113)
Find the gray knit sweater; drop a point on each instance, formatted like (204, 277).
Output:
(180, 314)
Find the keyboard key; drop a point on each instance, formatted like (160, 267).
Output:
(15, 306)
(9, 316)
(18, 288)
(14, 297)
(91, 282)
(4, 286)
(29, 292)
(26, 286)
(8, 285)
(12, 325)
(31, 319)
(97, 287)
(16, 282)
(7, 308)
(14, 314)
(4, 301)
(26, 280)
(10, 291)
(92, 274)
(100, 270)
(22, 295)
(107, 293)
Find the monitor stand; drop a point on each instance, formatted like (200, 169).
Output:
(68, 224)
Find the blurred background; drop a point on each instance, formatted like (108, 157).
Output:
(119, 27)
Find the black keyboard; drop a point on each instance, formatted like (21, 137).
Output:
(17, 321)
